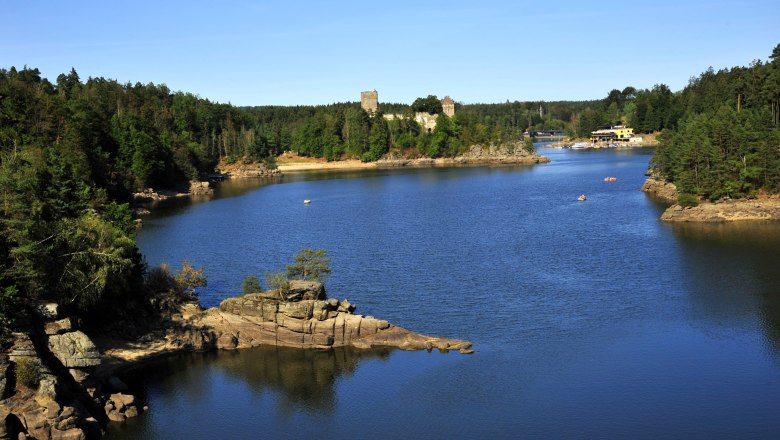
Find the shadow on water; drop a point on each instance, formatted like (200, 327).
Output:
(224, 189)
(287, 379)
(733, 269)
(241, 186)
(303, 378)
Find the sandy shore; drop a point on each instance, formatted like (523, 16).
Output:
(323, 165)
(289, 163)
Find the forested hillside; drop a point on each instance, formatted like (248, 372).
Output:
(727, 140)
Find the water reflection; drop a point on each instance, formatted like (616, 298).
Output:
(224, 189)
(304, 378)
(299, 379)
(732, 269)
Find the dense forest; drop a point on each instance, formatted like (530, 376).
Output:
(73, 152)
(726, 139)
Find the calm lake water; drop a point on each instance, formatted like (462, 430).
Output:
(590, 320)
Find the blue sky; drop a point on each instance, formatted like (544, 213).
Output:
(295, 52)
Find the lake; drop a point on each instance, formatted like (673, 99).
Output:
(590, 319)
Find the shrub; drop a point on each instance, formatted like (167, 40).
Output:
(528, 146)
(250, 285)
(168, 291)
(28, 372)
(687, 200)
(278, 281)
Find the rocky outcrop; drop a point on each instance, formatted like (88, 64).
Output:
(660, 188)
(74, 349)
(504, 154)
(49, 391)
(304, 290)
(247, 170)
(150, 195)
(75, 392)
(200, 188)
(255, 319)
(761, 208)
(764, 207)
(305, 319)
(512, 153)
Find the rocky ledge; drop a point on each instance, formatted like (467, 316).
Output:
(660, 188)
(505, 154)
(247, 170)
(760, 208)
(305, 318)
(764, 207)
(59, 382)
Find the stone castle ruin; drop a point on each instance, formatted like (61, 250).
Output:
(448, 106)
(369, 101)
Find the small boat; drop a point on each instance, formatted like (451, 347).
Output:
(306, 201)
(582, 198)
(580, 146)
(610, 179)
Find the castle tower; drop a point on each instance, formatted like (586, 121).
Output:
(369, 101)
(448, 106)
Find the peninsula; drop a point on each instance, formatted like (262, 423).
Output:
(762, 207)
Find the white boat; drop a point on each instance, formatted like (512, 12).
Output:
(580, 146)
(582, 197)
(306, 201)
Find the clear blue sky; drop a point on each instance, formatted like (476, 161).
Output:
(293, 52)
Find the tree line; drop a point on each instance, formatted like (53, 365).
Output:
(726, 140)
(72, 152)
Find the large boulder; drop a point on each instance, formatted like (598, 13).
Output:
(305, 290)
(74, 349)
(298, 310)
(59, 326)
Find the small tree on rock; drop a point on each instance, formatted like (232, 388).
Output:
(310, 264)
(278, 281)
(250, 285)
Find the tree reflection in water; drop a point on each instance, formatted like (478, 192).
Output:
(302, 379)
(735, 269)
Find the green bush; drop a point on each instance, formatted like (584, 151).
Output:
(250, 285)
(28, 372)
(279, 282)
(687, 200)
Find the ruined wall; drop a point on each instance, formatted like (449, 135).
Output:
(448, 106)
(369, 101)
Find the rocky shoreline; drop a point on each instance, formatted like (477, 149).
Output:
(476, 155)
(762, 207)
(77, 390)
(507, 154)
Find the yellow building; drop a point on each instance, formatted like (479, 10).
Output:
(617, 133)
